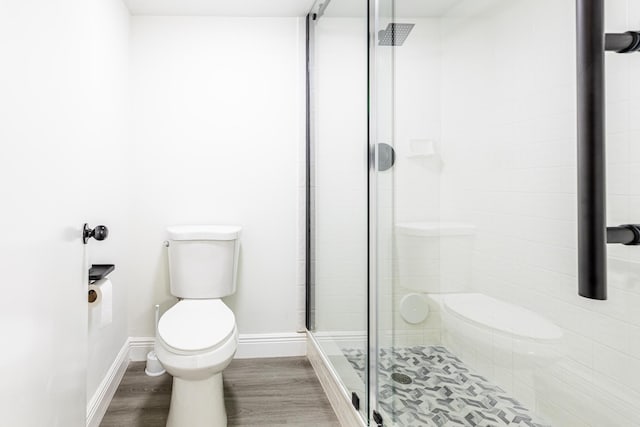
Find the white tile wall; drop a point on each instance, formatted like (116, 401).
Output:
(508, 138)
(409, 111)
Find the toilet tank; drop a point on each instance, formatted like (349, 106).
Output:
(203, 260)
(434, 257)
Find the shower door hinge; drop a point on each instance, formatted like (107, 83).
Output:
(355, 400)
(377, 418)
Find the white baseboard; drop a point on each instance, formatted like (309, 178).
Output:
(286, 344)
(139, 347)
(99, 403)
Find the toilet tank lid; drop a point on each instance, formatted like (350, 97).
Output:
(420, 228)
(204, 232)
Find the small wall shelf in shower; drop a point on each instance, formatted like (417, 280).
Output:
(421, 148)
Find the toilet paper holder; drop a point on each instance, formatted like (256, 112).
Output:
(98, 272)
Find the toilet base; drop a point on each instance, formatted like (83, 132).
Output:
(197, 403)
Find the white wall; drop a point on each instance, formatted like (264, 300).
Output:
(509, 151)
(217, 119)
(51, 135)
(216, 128)
(109, 168)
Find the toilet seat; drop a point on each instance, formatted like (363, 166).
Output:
(501, 317)
(196, 326)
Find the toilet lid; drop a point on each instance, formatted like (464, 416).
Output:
(502, 316)
(193, 325)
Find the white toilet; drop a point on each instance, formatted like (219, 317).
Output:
(197, 337)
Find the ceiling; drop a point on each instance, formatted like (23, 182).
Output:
(407, 8)
(424, 9)
(253, 8)
(336, 8)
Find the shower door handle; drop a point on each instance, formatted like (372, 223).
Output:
(627, 234)
(386, 157)
(593, 234)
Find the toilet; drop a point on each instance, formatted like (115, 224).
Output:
(433, 269)
(197, 337)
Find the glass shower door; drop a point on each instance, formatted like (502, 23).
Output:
(478, 316)
(338, 72)
(406, 207)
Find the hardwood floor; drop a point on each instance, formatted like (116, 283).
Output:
(258, 392)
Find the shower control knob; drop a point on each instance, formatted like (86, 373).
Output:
(101, 232)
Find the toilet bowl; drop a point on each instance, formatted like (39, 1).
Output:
(196, 341)
(197, 338)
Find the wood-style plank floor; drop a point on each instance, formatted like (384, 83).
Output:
(258, 392)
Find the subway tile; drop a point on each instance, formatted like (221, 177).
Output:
(616, 365)
(634, 145)
(610, 332)
(616, 18)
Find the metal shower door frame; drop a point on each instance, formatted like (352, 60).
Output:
(371, 152)
(373, 8)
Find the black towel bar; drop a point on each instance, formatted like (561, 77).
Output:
(593, 234)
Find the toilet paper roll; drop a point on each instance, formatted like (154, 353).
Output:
(100, 302)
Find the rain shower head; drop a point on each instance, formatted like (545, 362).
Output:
(394, 35)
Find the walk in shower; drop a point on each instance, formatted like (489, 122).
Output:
(443, 210)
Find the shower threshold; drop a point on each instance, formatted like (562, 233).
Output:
(442, 392)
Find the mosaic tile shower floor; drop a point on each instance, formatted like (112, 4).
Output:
(444, 391)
